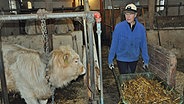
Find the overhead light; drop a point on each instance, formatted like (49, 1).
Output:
(29, 5)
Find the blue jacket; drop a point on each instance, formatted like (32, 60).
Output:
(128, 45)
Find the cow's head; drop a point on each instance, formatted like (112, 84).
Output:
(64, 66)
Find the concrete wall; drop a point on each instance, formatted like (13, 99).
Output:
(4, 4)
(10, 28)
(36, 41)
(58, 4)
(94, 4)
(174, 10)
(170, 39)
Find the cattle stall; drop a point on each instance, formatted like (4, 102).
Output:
(83, 43)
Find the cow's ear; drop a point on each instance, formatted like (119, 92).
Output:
(66, 58)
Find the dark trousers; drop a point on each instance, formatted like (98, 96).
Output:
(126, 67)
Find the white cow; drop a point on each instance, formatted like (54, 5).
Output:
(28, 72)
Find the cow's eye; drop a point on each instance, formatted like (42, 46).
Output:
(76, 61)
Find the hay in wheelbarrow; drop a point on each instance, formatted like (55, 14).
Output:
(146, 88)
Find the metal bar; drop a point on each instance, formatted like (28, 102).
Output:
(98, 25)
(99, 31)
(90, 21)
(91, 54)
(118, 84)
(3, 78)
(48, 16)
(87, 51)
(2, 74)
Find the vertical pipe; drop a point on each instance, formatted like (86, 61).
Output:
(99, 31)
(100, 60)
(90, 20)
(2, 77)
(91, 53)
(86, 46)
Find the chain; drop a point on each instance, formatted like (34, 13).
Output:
(41, 15)
(45, 35)
(46, 47)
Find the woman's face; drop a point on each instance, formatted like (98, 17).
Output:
(130, 17)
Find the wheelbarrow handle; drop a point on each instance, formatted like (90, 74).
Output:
(117, 83)
(114, 74)
(146, 69)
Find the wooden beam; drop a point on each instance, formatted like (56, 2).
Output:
(151, 8)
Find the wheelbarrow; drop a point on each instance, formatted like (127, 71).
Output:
(120, 79)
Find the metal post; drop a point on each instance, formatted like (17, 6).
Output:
(2, 72)
(90, 21)
(87, 50)
(3, 78)
(98, 25)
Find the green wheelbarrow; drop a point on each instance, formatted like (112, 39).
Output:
(122, 78)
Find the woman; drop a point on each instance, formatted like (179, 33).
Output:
(128, 43)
